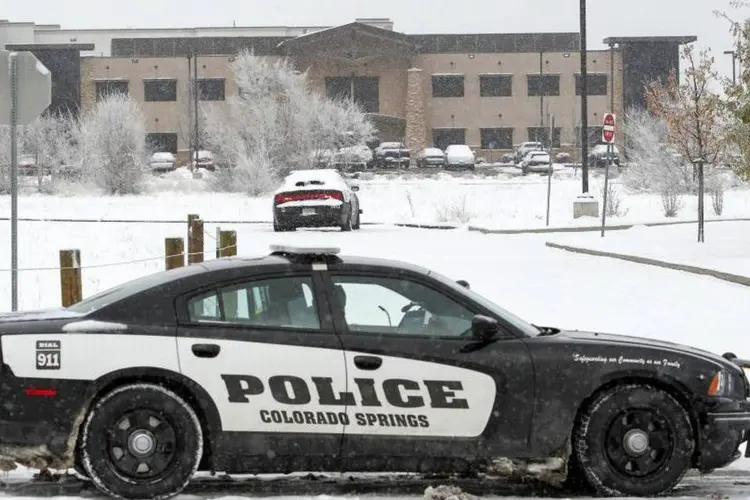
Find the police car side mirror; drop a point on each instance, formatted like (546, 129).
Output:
(484, 328)
(354, 187)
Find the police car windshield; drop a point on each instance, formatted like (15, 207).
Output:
(508, 316)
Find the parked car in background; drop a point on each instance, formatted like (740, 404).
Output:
(459, 156)
(431, 157)
(162, 161)
(524, 149)
(599, 156)
(350, 158)
(536, 162)
(316, 198)
(205, 160)
(392, 154)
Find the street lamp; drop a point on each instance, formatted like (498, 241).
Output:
(734, 65)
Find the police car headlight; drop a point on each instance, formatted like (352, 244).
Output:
(721, 384)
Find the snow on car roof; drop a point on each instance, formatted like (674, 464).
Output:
(313, 179)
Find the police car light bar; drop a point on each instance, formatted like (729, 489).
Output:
(290, 250)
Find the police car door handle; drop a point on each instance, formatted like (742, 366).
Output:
(206, 350)
(368, 362)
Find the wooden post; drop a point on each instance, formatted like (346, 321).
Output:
(227, 243)
(195, 239)
(228, 248)
(71, 287)
(174, 249)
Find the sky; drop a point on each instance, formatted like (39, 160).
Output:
(604, 18)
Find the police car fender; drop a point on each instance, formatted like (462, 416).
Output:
(85, 356)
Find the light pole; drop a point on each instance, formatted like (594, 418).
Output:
(584, 103)
(734, 65)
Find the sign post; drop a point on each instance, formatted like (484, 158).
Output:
(25, 92)
(608, 137)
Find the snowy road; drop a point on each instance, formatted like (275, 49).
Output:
(725, 486)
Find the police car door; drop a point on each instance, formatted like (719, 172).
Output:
(412, 380)
(265, 351)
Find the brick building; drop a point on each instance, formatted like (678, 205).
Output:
(491, 91)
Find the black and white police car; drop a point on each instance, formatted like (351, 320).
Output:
(306, 360)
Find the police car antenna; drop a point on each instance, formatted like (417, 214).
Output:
(298, 250)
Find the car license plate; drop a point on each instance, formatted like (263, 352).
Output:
(308, 211)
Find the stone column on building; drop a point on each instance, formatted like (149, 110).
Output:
(416, 124)
(88, 85)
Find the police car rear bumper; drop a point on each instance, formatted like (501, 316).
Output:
(312, 216)
(20, 435)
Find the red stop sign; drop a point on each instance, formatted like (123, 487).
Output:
(608, 129)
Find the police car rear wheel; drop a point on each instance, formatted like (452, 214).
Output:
(634, 440)
(141, 441)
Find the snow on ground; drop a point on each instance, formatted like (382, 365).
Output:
(499, 201)
(726, 245)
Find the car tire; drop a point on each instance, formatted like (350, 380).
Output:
(355, 225)
(346, 224)
(613, 443)
(162, 420)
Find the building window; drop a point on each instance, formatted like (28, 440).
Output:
(496, 138)
(447, 85)
(108, 87)
(444, 137)
(543, 85)
(160, 90)
(162, 142)
(211, 89)
(595, 136)
(541, 134)
(496, 85)
(597, 84)
(364, 90)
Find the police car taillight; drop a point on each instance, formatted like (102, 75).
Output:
(41, 393)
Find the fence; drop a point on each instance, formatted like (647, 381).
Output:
(71, 282)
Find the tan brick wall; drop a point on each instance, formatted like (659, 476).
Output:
(416, 126)
(391, 73)
(471, 112)
(161, 117)
(519, 111)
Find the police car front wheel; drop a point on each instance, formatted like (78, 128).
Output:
(141, 441)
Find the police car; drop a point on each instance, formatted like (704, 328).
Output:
(306, 360)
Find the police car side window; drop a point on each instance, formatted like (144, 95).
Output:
(400, 307)
(280, 302)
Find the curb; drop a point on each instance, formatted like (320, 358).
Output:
(584, 229)
(423, 226)
(732, 278)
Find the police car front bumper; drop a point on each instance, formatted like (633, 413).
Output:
(726, 427)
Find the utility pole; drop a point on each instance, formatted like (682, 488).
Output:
(191, 140)
(195, 98)
(584, 103)
(734, 65)
(541, 96)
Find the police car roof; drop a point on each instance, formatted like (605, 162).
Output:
(286, 255)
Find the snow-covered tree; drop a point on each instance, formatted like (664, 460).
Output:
(49, 140)
(112, 144)
(738, 93)
(276, 124)
(694, 114)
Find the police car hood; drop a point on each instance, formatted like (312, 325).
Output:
(644, 343)
(38, 315)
